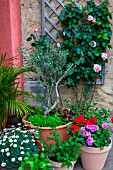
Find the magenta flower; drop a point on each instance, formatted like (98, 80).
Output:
(92, 128)
(83, 129)
(105, 125)
(97, 68)
(89, 141)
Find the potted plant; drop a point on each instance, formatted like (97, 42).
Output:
(94, 134)
(62, 154)
(35, 162)
(11, 102)
(48, 60)
(15, 142)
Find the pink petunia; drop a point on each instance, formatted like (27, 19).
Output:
(104, 56)
(97, 68)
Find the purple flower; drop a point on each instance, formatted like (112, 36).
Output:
(111, 129)
(83, 134)
(92, 128)
(83, 129)
(105, 125)
(88, 134)
(89, 141)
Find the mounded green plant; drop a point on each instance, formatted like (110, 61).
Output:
(35, 162)
(10, 96)
(86, 33)
(65, 152)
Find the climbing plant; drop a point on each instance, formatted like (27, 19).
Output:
(86, 33)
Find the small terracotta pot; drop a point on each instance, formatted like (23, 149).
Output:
(47, 130)
(57, 166)
(94, 158)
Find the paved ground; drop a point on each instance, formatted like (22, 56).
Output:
(108, 164)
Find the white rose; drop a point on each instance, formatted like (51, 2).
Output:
(90, 18)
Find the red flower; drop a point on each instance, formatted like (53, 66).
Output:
(112, 119)
(80, 120)
(89, 123)
(93, 120)
(76, 128)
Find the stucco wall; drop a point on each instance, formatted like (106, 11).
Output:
(31, 18)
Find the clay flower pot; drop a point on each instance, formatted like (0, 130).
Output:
(57, 166)
(47, 130)
(94, 158)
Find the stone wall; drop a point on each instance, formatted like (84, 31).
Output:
(31, 18)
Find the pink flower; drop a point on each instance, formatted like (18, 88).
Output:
(94, 20)
(105, 125)
(97, 68)
(36, 29)
(58, 45)
(104, 56)
(64, 33)
(111, 129)
(90, 18)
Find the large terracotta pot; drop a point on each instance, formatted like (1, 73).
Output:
(94, 158)
(57, 166)
(47, 130)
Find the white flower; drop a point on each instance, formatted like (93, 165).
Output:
(3, 144)
(20, 158)
(24, 131)
(3, 164)
(2, 150)
(7, 149)
(8, 153)
(58, 45)
(18, 129)
(21, 148)
(5, 136)
(33, 140)
(15, 140)
(13, 136)
(10, 140)
(33, 143)
(4, 140)
(19, 124)
(0, 142)
(12, 159)
(22, 152)
(64, 33)
(11, 144)
(16, 136)
(26, 141)
(15, 145)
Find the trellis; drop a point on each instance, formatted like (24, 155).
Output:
(51, 23)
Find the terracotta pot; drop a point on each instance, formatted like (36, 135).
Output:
(57, 166)
(47, 130)
(94, 158)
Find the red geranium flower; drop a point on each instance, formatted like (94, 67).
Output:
(112, 119)
(76, 128)
(93, 120)
(80, 120)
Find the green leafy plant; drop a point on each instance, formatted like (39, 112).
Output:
(15, 142)
(86, 33)
(62, 151)
(10, 96)
(35, 162)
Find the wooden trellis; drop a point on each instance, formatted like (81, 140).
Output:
(51, 24)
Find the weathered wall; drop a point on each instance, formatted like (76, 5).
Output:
(31, 18)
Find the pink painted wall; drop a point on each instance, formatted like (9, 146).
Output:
(10, 31)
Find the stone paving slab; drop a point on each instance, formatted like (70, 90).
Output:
(108, 164)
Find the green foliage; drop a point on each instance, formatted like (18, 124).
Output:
(85, 38)
(35, 162)
(49, 121)
(62, 151)
(15, 142)
(10, 95)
